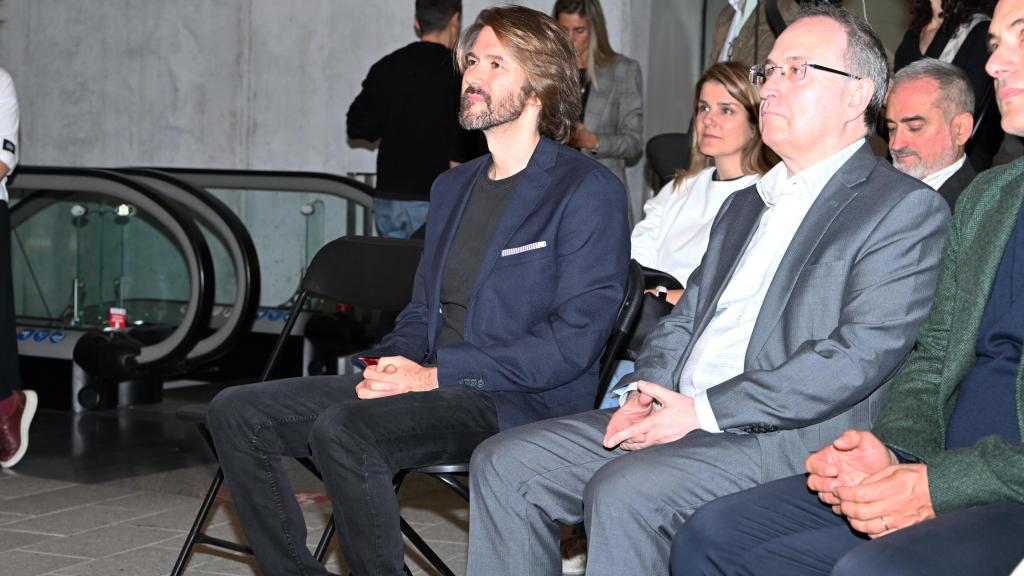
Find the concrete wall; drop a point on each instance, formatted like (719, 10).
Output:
(256, 84)
(250, 84)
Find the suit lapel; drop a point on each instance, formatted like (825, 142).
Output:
(836, 194)
(736, 229)
(951, 188)
(529, 191)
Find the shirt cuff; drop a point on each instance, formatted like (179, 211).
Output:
(705, 415)
(624, 391)
(904, 457)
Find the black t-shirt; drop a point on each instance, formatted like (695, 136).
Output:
(486, 206)
(410, 102)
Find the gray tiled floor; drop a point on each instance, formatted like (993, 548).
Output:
(136, 526)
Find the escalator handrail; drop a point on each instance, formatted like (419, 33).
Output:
(185, 232)
(284, 181)
(230, 230)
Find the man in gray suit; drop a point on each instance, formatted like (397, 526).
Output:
(805, 305)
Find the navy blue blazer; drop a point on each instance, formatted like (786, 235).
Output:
(539, 316)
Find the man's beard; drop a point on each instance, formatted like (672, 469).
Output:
(508, 108)
(920, 170)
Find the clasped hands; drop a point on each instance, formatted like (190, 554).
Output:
(394, 375)
(652, 415)
(861, 479)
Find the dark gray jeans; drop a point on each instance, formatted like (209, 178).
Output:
(358, 445)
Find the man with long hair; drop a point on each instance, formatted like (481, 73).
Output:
(522, 273)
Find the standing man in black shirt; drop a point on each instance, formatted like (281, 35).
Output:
(523, 269)
(410, 103)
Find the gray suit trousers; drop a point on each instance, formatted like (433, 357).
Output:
(528, 478)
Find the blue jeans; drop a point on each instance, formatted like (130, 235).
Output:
(781, 528)
(399, 218)
(358, 445)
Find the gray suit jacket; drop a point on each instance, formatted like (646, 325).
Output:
(840, 316)
(615, 112)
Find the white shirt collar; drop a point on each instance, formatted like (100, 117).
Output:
(937, 179)
(777, 182)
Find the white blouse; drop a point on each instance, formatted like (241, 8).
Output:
(674, 233)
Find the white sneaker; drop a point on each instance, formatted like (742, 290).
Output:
(574, 556)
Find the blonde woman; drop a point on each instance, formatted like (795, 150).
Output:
(727, 156)
(610, 126)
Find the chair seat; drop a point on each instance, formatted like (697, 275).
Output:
(459, 468)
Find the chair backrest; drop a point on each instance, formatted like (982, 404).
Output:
(622, 327)
(365, 271)
(667, 153)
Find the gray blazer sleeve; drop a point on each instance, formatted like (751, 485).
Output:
(620, 132)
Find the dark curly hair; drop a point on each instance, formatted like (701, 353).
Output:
(954, 13)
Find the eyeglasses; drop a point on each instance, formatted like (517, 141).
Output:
(760, 73)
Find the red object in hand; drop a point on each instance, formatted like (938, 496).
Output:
(369, 360)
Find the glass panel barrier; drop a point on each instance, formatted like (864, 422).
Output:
(94, 251)
(83, 254)
(236, 266)
(290, 215)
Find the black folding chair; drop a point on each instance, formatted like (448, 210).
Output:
(338, 272)
(450, 474)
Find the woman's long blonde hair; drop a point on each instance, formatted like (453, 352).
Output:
(600, 54)
(734, 77)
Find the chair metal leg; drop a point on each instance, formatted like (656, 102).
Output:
(325, 541)
(454, 484)
(414, 538)
(197, 526)
(425, 549)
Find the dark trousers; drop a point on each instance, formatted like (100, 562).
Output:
(358, 445)
(782, 528)
(10, 378)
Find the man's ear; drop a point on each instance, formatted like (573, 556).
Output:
(859, 97)
(416, 25)
(963, 125)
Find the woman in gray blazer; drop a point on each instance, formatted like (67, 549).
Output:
(611, 124)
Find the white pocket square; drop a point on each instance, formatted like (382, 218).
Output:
(524, 248)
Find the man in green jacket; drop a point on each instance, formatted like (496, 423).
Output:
(937, 486)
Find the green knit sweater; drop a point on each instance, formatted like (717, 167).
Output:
(923, 394)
